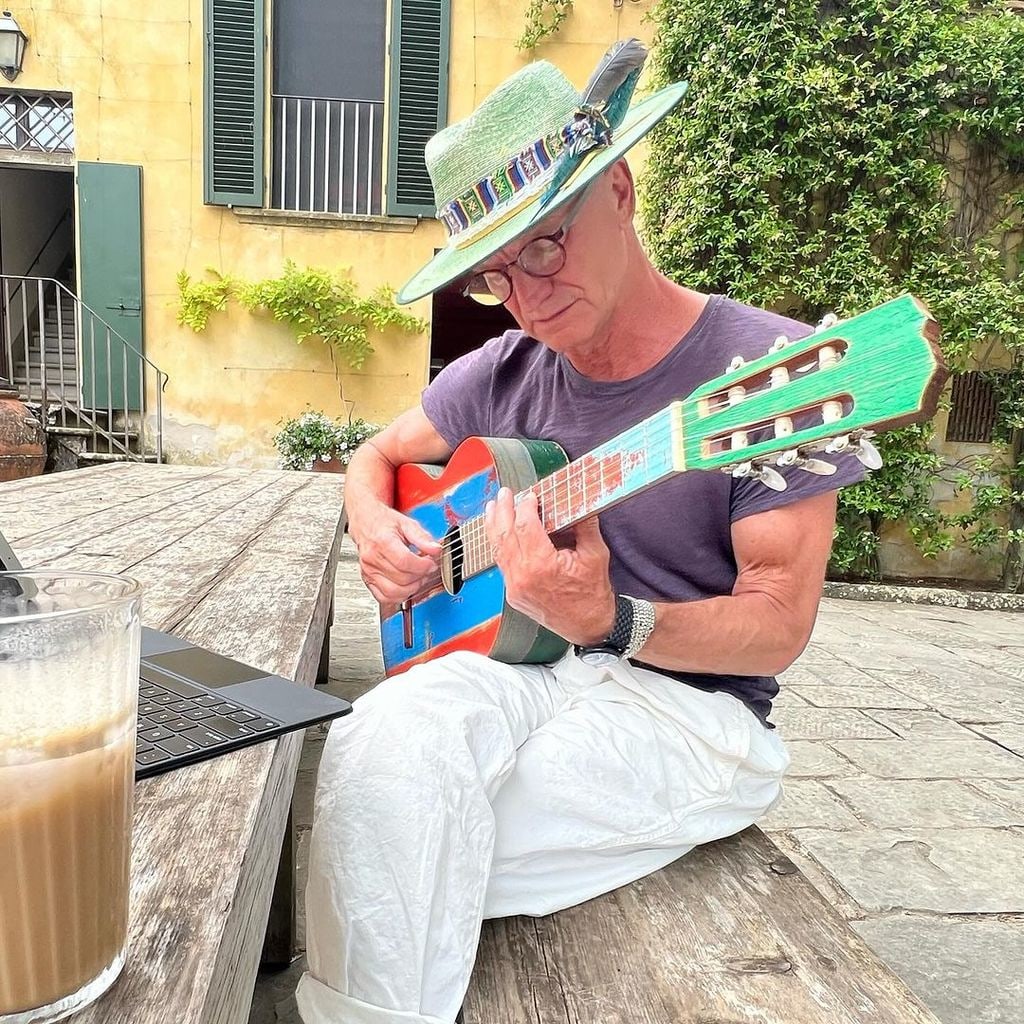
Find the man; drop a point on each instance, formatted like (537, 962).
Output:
(464, 788)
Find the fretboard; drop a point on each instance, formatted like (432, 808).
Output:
(628, 463)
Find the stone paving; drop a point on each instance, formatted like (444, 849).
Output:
(904, 803)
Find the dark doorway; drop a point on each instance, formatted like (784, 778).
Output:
(459, 325)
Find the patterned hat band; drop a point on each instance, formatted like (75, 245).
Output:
(499, 195)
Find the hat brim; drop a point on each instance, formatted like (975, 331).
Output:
(451, 263)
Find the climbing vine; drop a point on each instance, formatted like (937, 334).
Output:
(830, 156)
(543, 18)
(311, 301)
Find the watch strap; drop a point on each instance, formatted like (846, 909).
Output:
(632, 628)
(641, 625)
(617, 641)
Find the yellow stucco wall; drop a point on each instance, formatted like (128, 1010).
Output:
(135, 72)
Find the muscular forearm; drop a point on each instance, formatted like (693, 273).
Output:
(742, 634)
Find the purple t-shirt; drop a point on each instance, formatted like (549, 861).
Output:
(673, 541)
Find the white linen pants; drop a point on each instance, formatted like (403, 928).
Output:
(466, 789)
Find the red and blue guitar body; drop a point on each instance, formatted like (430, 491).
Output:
(476, 618)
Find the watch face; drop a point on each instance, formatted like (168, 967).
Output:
(599, 658)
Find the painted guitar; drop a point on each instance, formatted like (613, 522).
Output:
(827, 391)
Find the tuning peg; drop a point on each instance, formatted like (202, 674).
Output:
(868, 454)
(838, 444)
(819, 467)
(779, 344)
(765, 474)
(771, 478)
(738, 362)
(829, 320)
(792, 457)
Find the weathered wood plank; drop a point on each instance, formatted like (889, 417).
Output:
(162, 517)
(246, 568)
(718, 937)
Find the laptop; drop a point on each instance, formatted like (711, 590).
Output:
(195, 704)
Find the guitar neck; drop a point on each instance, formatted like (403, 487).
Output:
(629, 463)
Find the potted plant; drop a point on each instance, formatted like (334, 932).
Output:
(314, 442)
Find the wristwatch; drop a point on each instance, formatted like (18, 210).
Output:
(633, 625)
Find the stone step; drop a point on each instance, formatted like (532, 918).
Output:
(97, 458)
(84, 431)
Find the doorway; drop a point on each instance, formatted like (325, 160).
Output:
(459, 325)
(37, 240)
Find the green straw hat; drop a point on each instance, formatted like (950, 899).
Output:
(531, 146)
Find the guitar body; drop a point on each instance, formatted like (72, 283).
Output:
(476, 618)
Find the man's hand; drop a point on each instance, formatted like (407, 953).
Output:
(566, 589)
(390, 568)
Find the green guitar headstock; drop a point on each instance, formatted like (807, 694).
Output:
(827, 391)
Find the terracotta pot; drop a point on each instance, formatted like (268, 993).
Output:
(334, 465)
(22, 439)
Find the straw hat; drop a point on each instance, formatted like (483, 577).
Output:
(531, 146)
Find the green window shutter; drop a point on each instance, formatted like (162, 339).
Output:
(419, 99)
(233, 86)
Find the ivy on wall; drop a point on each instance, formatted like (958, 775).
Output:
(543, 19)
(311, 301)
(829, 156)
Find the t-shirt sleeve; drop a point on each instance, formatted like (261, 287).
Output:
(750, 496)
(458, 400)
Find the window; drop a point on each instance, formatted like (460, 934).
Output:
(328, 105)
(328, 150)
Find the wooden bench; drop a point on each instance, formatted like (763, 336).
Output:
(242, 562)
(732, 933)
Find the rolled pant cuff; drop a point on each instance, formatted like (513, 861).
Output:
(319, 1004)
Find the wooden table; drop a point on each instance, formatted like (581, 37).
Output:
(242, 562)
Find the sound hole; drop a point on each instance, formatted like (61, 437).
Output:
(453, 560)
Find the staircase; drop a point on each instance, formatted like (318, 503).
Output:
(46, 332)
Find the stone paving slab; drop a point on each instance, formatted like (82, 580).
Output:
(1008, 793)
(810, 723)
(927, 803)
(966, 970)
(1006, 734)
(811, 758)
(940, 759)
(946, 871)
(921, 725)
(870, 695)
(807, 802)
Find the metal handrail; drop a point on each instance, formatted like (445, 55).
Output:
(43, 391)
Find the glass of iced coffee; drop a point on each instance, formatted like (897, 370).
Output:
(69, 671)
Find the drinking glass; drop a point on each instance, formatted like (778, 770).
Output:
(69, 672)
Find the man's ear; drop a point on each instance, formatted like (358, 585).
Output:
(623, 189)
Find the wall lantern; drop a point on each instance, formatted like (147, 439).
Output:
(12, 47)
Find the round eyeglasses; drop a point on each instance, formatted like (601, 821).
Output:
(540, 257)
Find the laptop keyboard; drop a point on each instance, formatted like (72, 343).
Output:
(176, 718)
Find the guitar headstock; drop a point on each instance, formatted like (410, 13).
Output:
(827, 392)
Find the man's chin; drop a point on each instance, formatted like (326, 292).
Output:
(562, 331)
